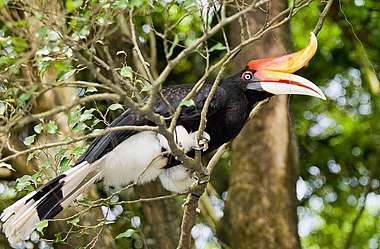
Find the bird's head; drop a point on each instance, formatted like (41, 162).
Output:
(274, 75)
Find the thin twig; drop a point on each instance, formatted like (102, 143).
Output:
(172, 63)
(136, 47)
(322, 17)
(77, 139)
(191, 208)
(24, 120)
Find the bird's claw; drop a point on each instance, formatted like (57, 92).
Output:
(203, 177)
(202, 143)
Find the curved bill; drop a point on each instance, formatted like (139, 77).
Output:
(274, 74)
(287, 63)
(284, 83)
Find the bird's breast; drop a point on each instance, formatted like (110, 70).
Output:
(142, 157)
(137, 159)
(226, 124)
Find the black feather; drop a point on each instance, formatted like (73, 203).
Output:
(167, 102)
(44, 189)
(50, 205)
(227, 113)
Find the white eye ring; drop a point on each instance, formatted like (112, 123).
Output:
(247, 75)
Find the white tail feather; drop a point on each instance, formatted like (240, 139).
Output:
(20, 218)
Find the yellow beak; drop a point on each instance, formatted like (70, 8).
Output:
(275, 74)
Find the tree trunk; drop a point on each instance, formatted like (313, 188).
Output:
(261, 204)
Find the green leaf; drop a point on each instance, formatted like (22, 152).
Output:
(60, 65)
(64, 162)
(73, 4)
(74, 221)
(38, 128)
(79, 234)
(136, 3)
(106, 222)
(78, 151)
(52, 127)
(41, 225)
(175, 43)
(64, 167)
(6, 165)
(146, 88)
(80, 127)
(94, 123)
(3, 2)
(33, 154)
(114, 107)
(23, 98)
(187, 103)
(35, 177)
(126, 234)
(30, 157)
(84, 202)
(26, 95)
(87, 114)
(41, 31)
(67, 75)
(126, 72)
(73, 116)
(91, 89)
(61, 152)
(19, 44)
(67, 139)
(218, 46)
(23, 182)
(29, 140)
(58, 237)
(44, 165)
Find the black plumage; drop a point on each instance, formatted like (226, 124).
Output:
(125, 156)
(227, 113)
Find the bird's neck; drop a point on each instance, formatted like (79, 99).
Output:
(227, 123)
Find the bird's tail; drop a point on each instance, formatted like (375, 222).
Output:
(47, 201)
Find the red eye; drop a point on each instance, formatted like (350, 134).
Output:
(247, 75)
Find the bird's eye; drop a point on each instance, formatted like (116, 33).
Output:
(248, 75)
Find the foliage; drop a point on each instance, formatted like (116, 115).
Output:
(338, 139)
(91, 50)
(68, 70)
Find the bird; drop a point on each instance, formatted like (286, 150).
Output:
(129, 156)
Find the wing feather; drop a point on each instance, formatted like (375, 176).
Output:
(167, 102)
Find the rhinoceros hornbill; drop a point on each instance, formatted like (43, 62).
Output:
(122, 157)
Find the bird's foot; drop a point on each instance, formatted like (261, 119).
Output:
(203, 176)
(202, 142)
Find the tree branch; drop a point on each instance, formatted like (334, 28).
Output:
(322, 17)
(191, 206)
(22, 121)
(77, 139)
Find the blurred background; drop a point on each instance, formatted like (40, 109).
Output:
(308, 176)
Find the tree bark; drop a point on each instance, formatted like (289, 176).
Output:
(261, 204)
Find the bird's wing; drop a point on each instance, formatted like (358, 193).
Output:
(172, 97)
(105, 143)
(167, 102)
